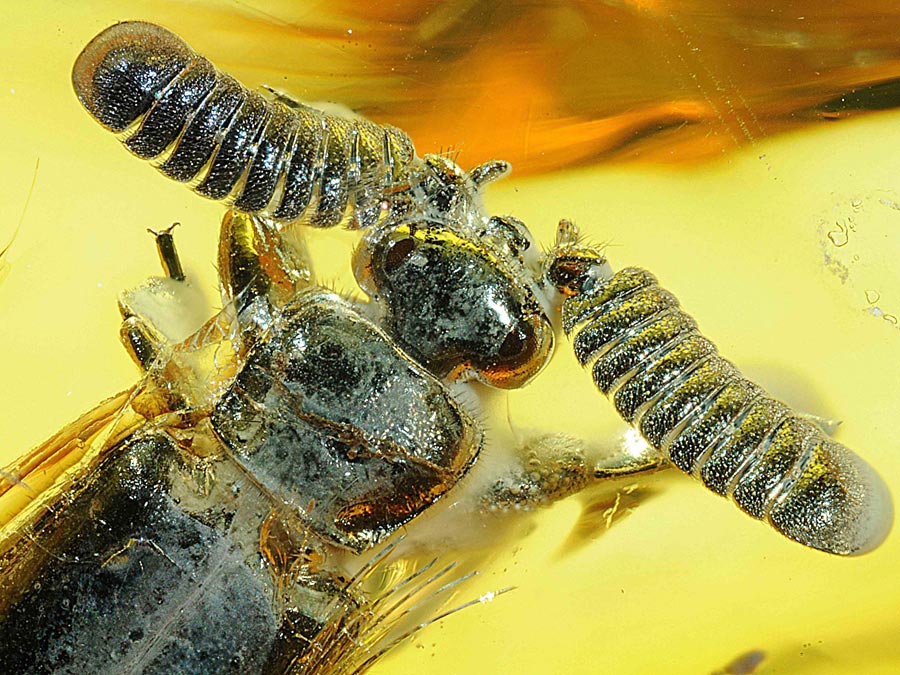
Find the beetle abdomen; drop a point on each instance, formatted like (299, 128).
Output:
(199, 125)
(714, 424)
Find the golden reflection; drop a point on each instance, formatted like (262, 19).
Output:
(571, 82)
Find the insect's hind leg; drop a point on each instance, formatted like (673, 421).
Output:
(257, 260)
(550, 467)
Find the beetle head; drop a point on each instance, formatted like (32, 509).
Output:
(453, 284)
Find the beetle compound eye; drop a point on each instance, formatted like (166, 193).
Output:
(398, 253)
(521, 354)
(516, 342)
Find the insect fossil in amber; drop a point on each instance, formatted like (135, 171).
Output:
(225, 514)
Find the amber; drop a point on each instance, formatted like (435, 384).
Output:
(781, 239)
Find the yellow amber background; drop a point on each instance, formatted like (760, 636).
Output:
(783, 246)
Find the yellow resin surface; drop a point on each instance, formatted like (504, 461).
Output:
(784, 247)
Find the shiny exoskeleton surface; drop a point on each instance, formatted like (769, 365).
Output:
(138, 580)
(454, 285)
(695, 407)
(326, 408)
(222, 515)
(464, 304)
(295, 425)
(196, 124)
(285, 434)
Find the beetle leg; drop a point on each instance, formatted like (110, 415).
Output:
(186, 356)
(257, 261)
(634, 456)
(551, 467)
(142, 341)
(489, 171)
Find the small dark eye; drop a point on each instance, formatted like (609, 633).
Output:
(515, 342)
(398, 252)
